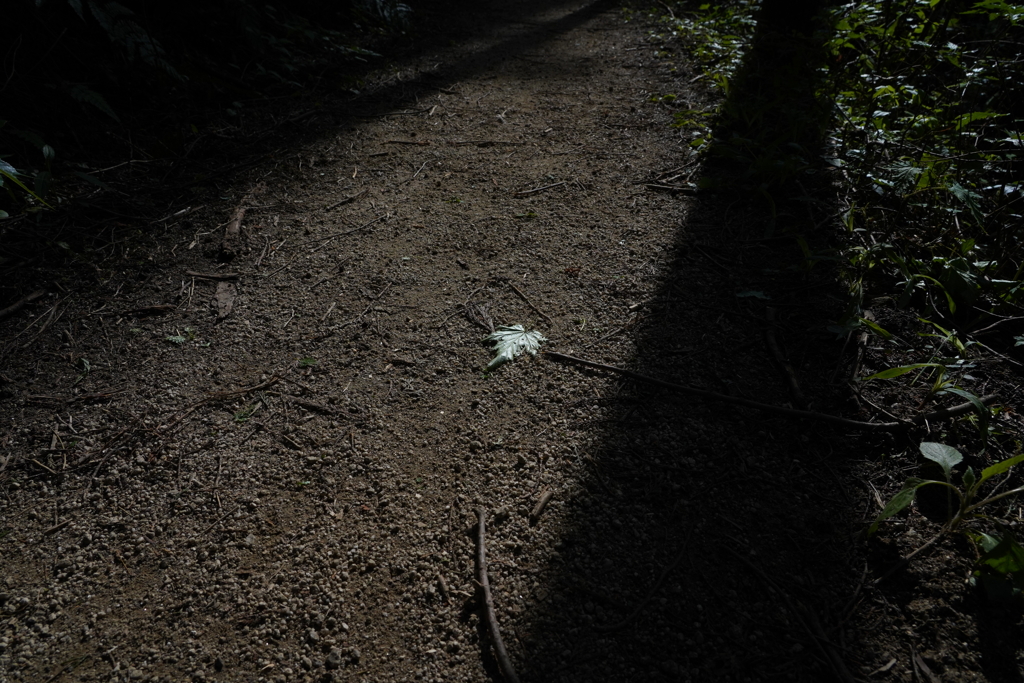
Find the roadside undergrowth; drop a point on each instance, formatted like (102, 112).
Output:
(909, 112)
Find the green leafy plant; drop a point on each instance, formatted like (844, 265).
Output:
(1000, 566)
(85, 366)
(247, 412)
(1000, 555)
(966, 494)
(943, 382)
(511, 341)
(8, 176)
(307, 362)
(179, 339)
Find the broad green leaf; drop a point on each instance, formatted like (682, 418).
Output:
(965, 119)
(900, 501)
(512, 341)
(1004, 557)
(901, 370)
(876, 328)
(969, 199)
(7, 170)
(11, 173)
(987, 542)
(1000, 467)
(979, 407)
(946, 456)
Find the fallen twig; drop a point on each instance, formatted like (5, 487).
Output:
(19, 304)
(485, 143)
(423, 166)
(538, 189)
(232, 242)
(778, 410)
(346, 200)
(212, 276)
(538, 509)
(216, 522)
(157, 309)
(903, 562)
(671, 188)
(492, 621)
(530, 303)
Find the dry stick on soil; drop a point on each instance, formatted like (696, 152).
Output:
(232, 242)
(53, 317)
(417, 172)
(18, 305)
(216, 522)
(538, 189)
(961, 409)
(346, 200)
(773, 346)
(212, 276)
(903, 562)
(538, 509)
(492, 621)
(530, 304)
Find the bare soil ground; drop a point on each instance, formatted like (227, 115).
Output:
(262, 458)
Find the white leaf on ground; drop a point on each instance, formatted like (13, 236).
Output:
(511, 341)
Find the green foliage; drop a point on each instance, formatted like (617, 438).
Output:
(716, 35)
(1000, 565)
(82, 71)
(179, 339)
(927, 96)
(966, 494)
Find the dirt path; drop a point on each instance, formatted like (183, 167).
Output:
(289, 492)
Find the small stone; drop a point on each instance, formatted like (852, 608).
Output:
(306, 663)
(333, 660)
(313, 637)
(354, 656)
(218, 665)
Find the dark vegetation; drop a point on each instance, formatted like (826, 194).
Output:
(90, 83)
(883, 139)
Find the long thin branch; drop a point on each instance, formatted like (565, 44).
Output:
(18, 305)
(768, 408)
(492, 621)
